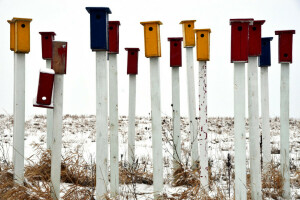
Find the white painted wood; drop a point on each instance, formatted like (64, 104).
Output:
(113, 125)
(49, 117)
(131, 118)
(176, 118)
(192, 106)
(266, 146)
(57, 135)
(203, 124)
(19, 117)
(101, 125)
(239, 132)
(254, 134)
(284, 129)
(156, 127)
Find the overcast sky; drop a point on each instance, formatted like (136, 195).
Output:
(70, 21)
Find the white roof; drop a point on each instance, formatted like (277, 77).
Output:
(47, 71)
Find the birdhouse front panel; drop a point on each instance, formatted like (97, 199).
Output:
(47, 39)
(113, 30)
(285, 52)
(175, 51)
(22, 35)
(152, 38)
(255, 38)
(239, 39)
(265, 57)
(12, 35)
(45, 88)
(99, 28)
(203, 44)
(188, 33)
(59, 57)
(132, 60)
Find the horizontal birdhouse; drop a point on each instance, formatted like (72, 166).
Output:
(59, 57)
(255, 38)
(240, 39)
(152, 38)
(99, 28)
(265, 57)
(113, 32)
(20, 35)
(203, 44)
(285, 45)
(47, 38)
(175, 51)
(188, 33)
(132, 60)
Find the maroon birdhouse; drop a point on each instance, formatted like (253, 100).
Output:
(255, 38)
(45, 88)
(59, 57)
(132, 60)
(113, 36)
(285, 45)
(47, 38)
(175, 51)
(239, 39)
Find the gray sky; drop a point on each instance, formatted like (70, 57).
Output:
(70, 21)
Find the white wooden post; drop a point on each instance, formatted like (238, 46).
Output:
(203, 123)
(239, 131)
(19, 117)
(254, 136)
(284, 129)
(49, 117)
(131, 118)
(192, 106)
(113, 124)
(57, 135)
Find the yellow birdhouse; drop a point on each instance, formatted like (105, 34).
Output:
(188, 33)
(152, 38)
(203, 44)
(20, 35)
(12, 35)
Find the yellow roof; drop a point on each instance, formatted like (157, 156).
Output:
(205, 29)
(152, 22)
(20, 19)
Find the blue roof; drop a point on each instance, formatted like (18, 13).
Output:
(105, 9)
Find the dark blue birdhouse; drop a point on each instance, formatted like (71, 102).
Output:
(99, 27)
(265, 57)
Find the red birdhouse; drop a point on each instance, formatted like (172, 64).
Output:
(175, 51)
(113, 34)
(239, 39)
(59, 57)
(255, 38)
(132, 60)
(285, 53)
(47, 38)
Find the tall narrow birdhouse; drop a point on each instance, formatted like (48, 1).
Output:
(175, 51)
(132, 60)
(265, 57)
(152, 38)
(12, 35)
(255, 38)
(285, 52)
(47, 38)
(99, 27)
(203, 44)
(45, 88)
(188, 33)
(20, 35)
(59, 57)
(113, 30)
(240, 39)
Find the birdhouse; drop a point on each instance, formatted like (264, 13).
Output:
(203, 44)
(99, 27)
(285, 46)
(152, 38)
(239, 39)
(188, 33)
(59, 57)
(113, 32)
(132, 60)
(265, 57)
(47, 38)
(20, 35)
(255, 38)
(175, 51)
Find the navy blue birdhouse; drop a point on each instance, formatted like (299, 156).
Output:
(265, 57)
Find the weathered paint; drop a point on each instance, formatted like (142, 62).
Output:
(47, 39)
(59, 57)
(12, 35)
(21, 35)
(44, 93)
(265, 57)
(175, 51)
(188, 33)
(113, 32)
(285, 45)
(132, 60)
(255, 38)
(203, 44)
(152, 38)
